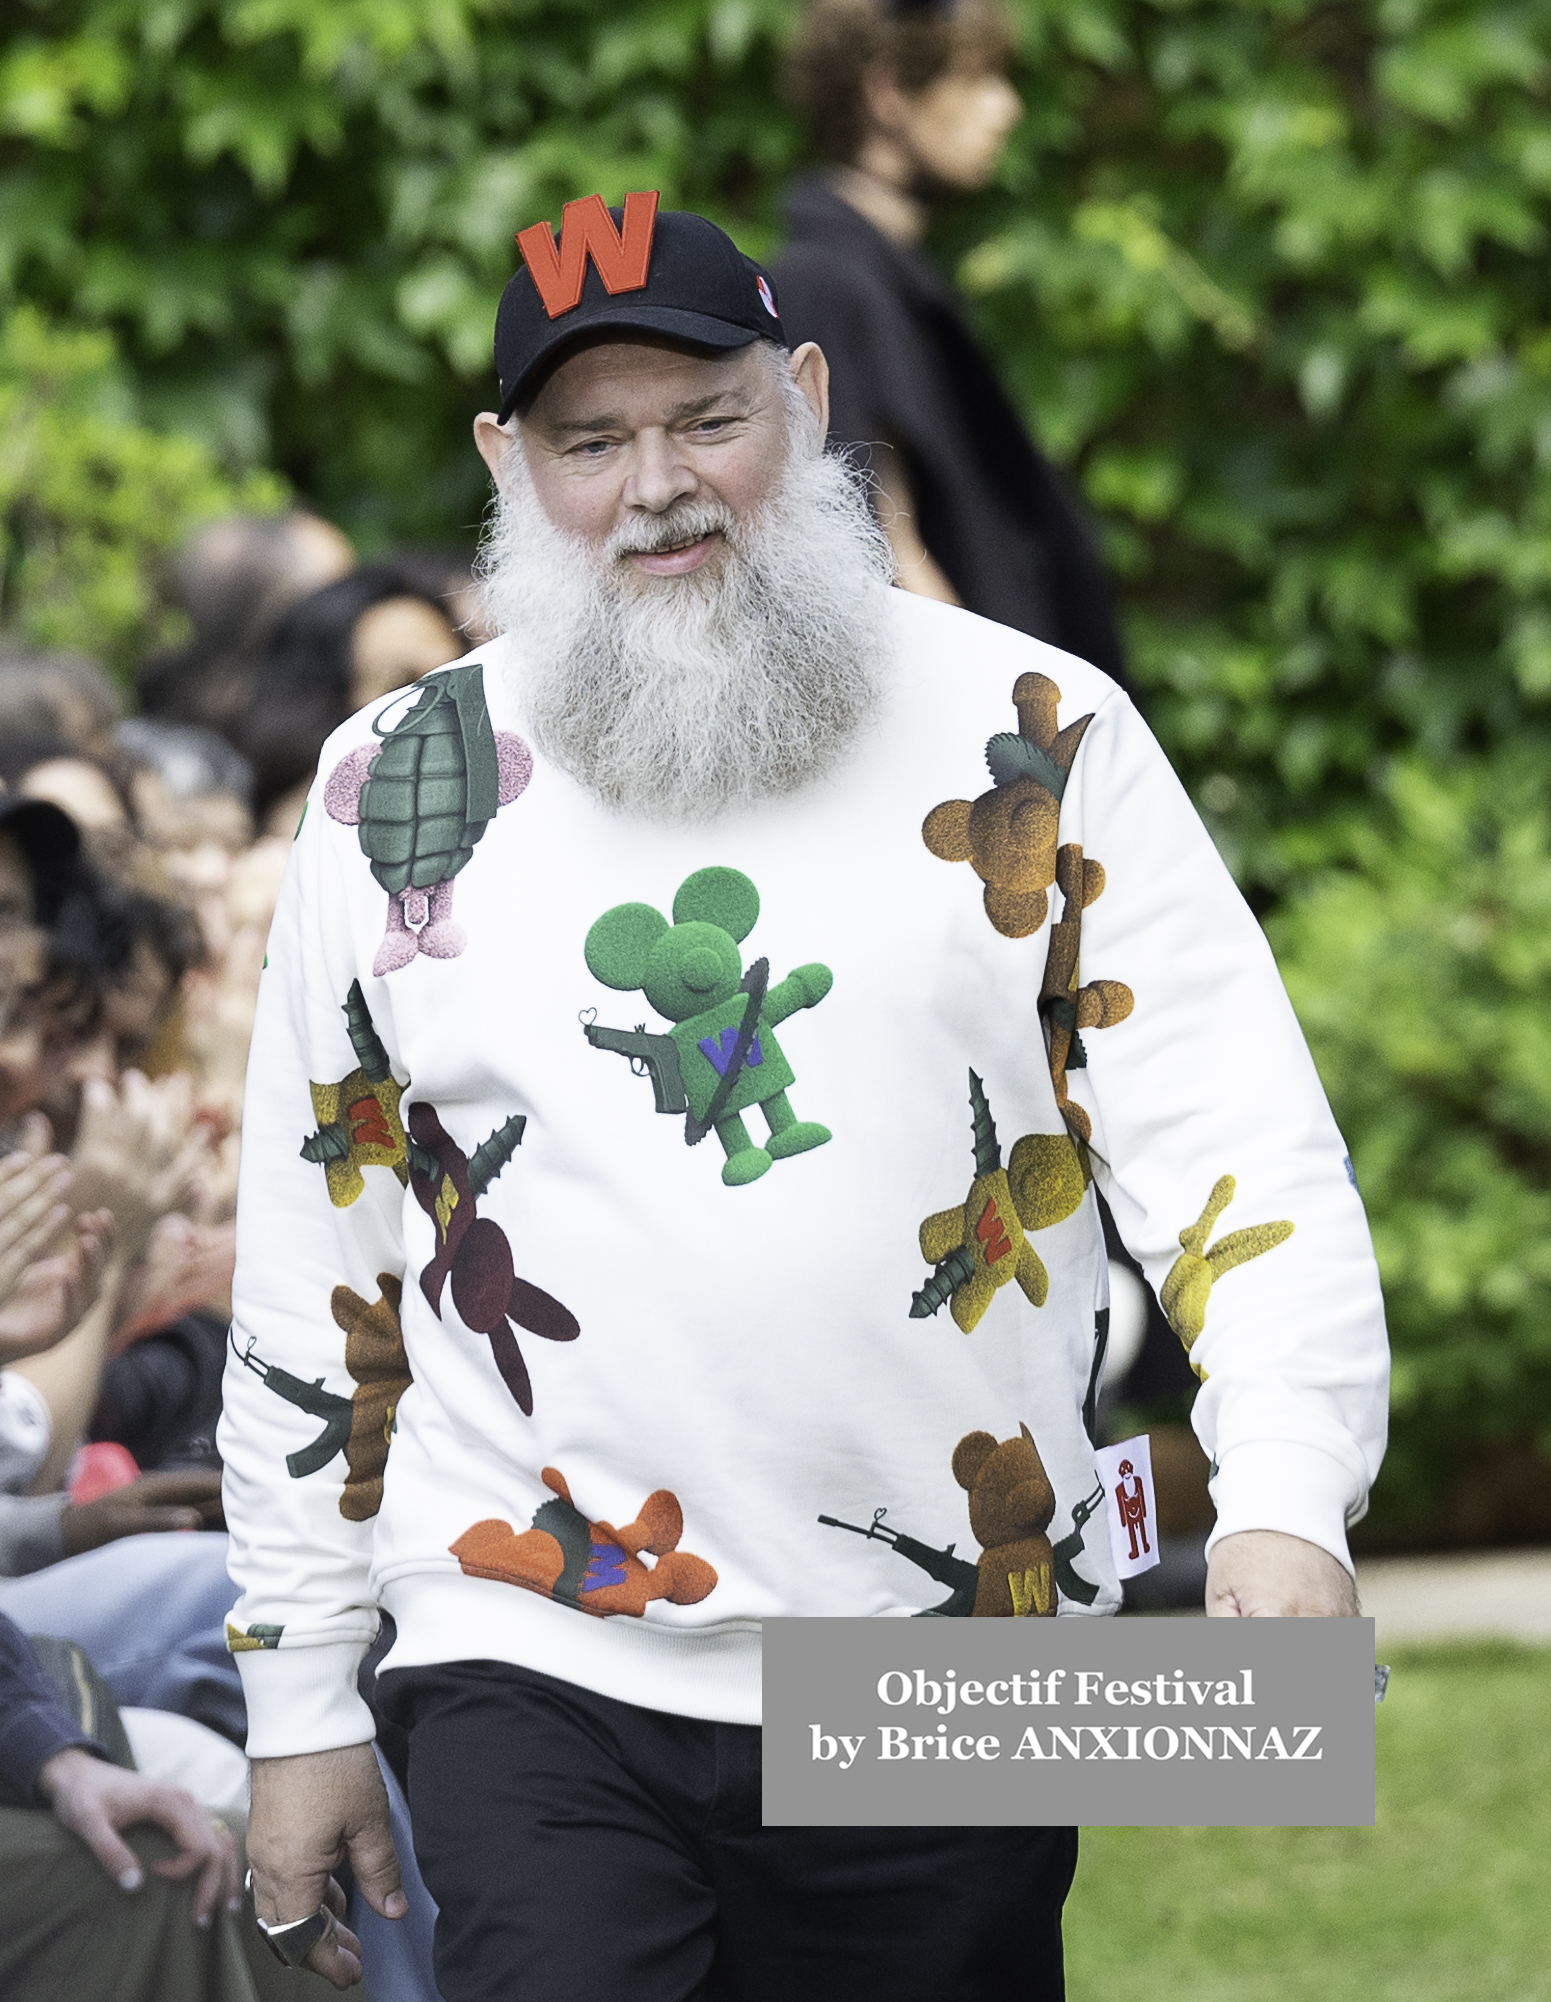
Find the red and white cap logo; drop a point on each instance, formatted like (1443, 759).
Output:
(767, 298)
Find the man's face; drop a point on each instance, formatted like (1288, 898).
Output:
(953, 130)
(695, 590)
(625, 431)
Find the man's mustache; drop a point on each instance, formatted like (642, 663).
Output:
(677, 529)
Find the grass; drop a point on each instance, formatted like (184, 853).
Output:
(1446, 1899)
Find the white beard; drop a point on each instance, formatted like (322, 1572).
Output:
(678, 698)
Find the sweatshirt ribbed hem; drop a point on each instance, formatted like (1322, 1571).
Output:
(1279, 1484)
(711, 1674)
(304, 1699)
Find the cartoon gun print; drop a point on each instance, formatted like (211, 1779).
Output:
(336, 1412)
(1073, 1585)
(656, 1057)
(957, 1573)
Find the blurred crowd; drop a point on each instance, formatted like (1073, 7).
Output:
(140, 857)
(143, 835)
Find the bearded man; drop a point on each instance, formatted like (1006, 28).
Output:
(599, 1348)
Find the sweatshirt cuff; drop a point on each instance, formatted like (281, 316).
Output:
(304, 1699)
(1281, 1485)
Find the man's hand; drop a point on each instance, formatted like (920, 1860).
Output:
(154, 1502)
(95, 1800)
(1263, 1572)
(308, 1815)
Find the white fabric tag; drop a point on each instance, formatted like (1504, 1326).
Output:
(1130, 1507)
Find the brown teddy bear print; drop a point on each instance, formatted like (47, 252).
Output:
(1065, 1005)
(590, 1565)
(374, 1356)
(1011, 1503)
(1008, 835)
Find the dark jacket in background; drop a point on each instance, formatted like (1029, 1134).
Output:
(161, 1398)
(34, 1724)
(906, 370)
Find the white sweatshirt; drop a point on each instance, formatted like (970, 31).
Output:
(635, 1373)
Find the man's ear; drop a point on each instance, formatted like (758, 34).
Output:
(810, 372)
(494, 441)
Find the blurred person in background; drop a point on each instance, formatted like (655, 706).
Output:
(52, 694)
(188, 786)
(192, 794)
(910, 103)
(446, 576)
(83, 1911)
(350, 643)
(75, 1234)
(236, 579)
(133, 951)
(80, 783)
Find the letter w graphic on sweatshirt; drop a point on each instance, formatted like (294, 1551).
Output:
(621, 257)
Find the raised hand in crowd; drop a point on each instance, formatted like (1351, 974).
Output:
(52, 1295)
(96, 1801)
(187, 1266)
(33, 1207)
(140, 1153)
(155, 1502)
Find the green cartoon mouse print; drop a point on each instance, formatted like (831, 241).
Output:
(721, 1057)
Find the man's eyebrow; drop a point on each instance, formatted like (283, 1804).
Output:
(615, 420)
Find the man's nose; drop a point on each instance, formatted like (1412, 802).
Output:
(660, 476)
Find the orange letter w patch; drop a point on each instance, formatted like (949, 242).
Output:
(587, 229)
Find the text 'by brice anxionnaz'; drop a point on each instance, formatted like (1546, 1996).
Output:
(1203, 1737)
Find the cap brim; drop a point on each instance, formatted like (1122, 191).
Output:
(699, 330)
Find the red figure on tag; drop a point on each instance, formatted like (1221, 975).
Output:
(1133, 1508)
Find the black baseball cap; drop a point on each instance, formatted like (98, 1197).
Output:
(671, 273)
(50, 845)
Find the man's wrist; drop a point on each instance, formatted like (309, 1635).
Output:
(1287, 1487)
(304, 1699)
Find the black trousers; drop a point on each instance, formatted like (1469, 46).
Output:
(584, 1850)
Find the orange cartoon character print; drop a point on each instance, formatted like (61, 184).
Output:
(592, 1566)
(1008, 835)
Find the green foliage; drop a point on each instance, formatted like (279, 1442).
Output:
(1437, 1902)
(89, 499)
(1421, 977)
(1271, 276)
(299, 214)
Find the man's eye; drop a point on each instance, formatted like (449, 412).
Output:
(591, 448)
